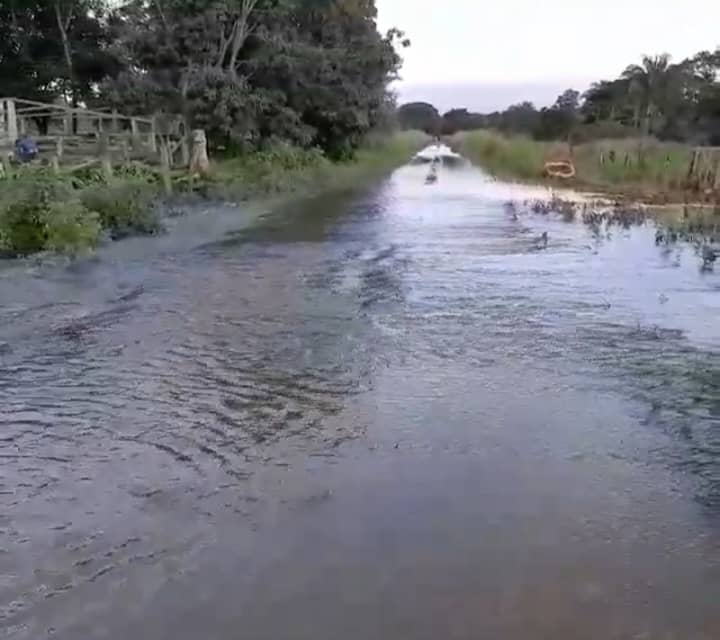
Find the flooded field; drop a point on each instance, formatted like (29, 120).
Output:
(404, 413)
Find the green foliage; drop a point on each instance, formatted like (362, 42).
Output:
(71, 228)
(41, 212)
(312, 73)
(644, 163)
(124, 207)
(420, 116)
(627, 163)
(516, 156)
(52, 48)
(679, 102)
(284, 169)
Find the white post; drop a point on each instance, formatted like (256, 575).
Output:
(12, 124)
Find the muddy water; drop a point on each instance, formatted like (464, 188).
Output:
(382, 415)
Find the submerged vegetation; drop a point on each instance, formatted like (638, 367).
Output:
(698, 227)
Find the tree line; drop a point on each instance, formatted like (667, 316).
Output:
(312, 73)
(678, 102)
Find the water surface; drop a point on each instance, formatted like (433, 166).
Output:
(393, 414)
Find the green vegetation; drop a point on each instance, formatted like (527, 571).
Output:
(41, 211)
(124, 208)
(637, 166)
(285, 169)
(509, 157)
(697, 226)
(310, 73)
(289, 92)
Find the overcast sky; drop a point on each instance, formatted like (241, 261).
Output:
(542, 45)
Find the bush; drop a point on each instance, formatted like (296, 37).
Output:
(40, 212)
(284, 168)
(125, 208)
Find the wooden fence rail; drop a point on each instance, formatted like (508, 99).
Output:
(65, 133)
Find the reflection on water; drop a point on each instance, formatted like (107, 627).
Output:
(396, 414)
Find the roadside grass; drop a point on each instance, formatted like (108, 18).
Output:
(42, 211)
(288, 170)
(619, 164)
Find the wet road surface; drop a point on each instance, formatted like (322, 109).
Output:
(381, 415)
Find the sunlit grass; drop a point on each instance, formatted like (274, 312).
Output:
(639, 164)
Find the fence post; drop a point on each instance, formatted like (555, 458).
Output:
(68, 123)
(153, 135)
(125, 144)
(199, 163)
(184, 150)
(105, 160)
(12, 124)
(165, 166)
(691, 168)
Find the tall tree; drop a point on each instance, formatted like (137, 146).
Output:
(648, 85)
(309, 71)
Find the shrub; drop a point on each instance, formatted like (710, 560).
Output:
(125, 208)
(39, 211)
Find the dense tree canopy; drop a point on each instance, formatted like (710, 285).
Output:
(419, 115)
(310, 72)
(52, 48)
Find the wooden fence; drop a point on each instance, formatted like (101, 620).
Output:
(78, 137)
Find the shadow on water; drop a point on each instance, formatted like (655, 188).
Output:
(413, 412)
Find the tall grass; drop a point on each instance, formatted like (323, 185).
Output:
(620, 163)
(286, 170)
(511, 157)
(642, 163)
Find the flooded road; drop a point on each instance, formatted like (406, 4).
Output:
(386, 415)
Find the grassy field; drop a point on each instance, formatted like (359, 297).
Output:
(41, 211)
(640, 167)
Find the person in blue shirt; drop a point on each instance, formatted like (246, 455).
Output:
(26, 149)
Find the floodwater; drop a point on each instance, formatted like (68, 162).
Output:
(392, 414)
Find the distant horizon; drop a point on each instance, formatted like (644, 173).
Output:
(485, 97)
(486, 56)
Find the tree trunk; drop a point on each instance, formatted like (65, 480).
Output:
(241, 30)
(63, 26)
(636, 116)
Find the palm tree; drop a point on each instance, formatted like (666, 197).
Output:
(647, 87)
